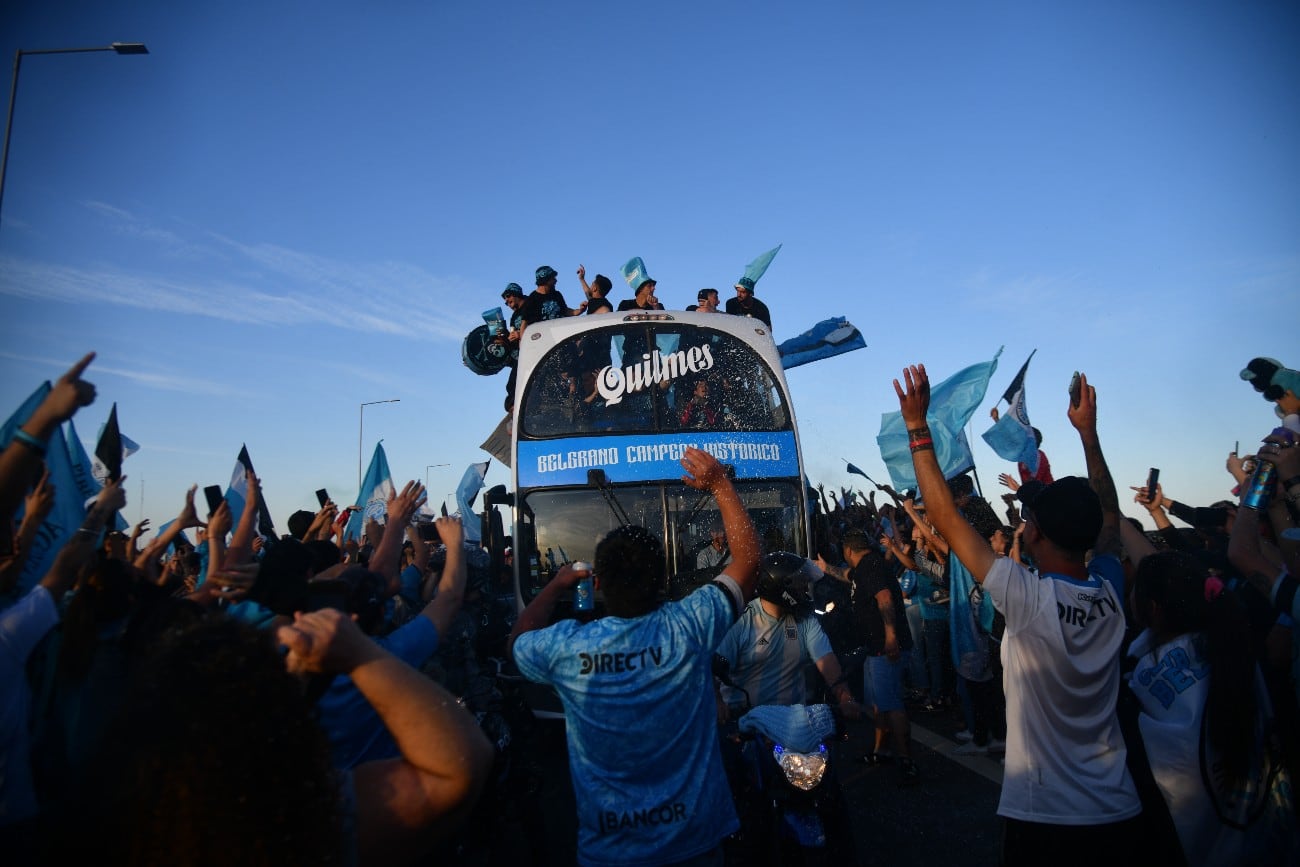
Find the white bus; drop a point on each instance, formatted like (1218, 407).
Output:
(604, 407)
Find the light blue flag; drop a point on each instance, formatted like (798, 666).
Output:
(83, 471)
(756, 269)
(970, 620)
(171, 548)
(1012, 437)
(827, 338)
(24, 412)
(61, 524)
(372, 499)
(952, 403)
(466, 491)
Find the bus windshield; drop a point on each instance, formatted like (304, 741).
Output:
(564, 525)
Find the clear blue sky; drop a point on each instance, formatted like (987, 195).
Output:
(288, 209)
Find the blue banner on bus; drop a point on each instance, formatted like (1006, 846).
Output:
(652, 457)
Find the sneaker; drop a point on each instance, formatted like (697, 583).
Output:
(963, 735)
(909, 774)
(997, 746)
(971, 749)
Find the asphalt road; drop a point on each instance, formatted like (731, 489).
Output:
(949, 818)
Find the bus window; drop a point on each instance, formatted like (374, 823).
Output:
(611, 381)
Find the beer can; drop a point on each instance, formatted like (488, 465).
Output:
(584, 594)
(1259, 491)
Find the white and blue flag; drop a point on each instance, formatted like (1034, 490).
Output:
(827, 338)
(237, 495)
(372, 499)
(1012, 437)
(466, 491)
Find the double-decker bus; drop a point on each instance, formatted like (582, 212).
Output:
(605, 407)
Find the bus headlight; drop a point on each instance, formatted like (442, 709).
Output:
(803, 770)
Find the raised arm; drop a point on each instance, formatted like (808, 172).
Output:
(187, 518)
(405, 804)
(705, 473)
(22, 459)
(81, 547)
(969, 546)
(451, 585)
(1084, 419)
(387, 558)
(241, 543)
(39, 504)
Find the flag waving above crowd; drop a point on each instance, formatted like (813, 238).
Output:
(952, 403)
(1012, 437)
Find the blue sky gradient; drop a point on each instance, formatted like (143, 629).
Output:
(288, 209)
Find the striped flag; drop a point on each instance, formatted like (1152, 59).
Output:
(1012, 437)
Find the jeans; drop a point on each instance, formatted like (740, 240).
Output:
(934, 638)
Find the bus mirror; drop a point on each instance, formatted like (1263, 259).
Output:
(731, 471)
(498, 495)
(596, 478)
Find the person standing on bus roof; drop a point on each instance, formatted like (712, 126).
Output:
(546, 302)
(637, 689)
(708, 301)
(745, 304)
(597, 292)
(643, 287)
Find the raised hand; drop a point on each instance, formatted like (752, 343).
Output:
(220, 521)
(450, 530)
(914, 400)
(401, 506)
(40, 501)
(323, 641)
(704, 471)
(1007, 481)
(111, 498)
(1084, 416)
(71, 392)
(188, 516)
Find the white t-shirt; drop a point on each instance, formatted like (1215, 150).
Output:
(1060, 656)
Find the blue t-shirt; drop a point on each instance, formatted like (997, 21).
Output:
(355, 731)
(641, 727)
(767, 656)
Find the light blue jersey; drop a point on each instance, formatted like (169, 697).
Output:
(768, 654)
(641, 727)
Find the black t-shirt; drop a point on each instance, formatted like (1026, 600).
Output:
(539, 308)
(630, 304)
(873, 574)
(599, 305)
(753, 307)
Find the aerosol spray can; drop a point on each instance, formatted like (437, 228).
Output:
(1259, 490)
(584, 594)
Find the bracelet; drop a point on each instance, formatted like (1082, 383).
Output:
(921, 445)
(922, 431)
(87, 531)
(30, 441)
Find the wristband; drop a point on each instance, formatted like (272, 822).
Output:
(921, 445)
(30, 441)
(922, 431)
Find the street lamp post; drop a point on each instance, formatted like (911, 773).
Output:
(361, 431)
(117, 47)
(426, 473)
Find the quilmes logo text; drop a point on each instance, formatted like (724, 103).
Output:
(614, 382)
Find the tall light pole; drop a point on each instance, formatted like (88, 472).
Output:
(118, 47)
(426, 473)
(361, 431)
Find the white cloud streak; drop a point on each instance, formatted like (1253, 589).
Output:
(264, 284)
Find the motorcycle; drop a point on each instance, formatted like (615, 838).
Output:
(790, 805)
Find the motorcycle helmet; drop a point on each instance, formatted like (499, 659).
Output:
(786, 579)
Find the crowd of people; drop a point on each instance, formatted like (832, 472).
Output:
(302, 699)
